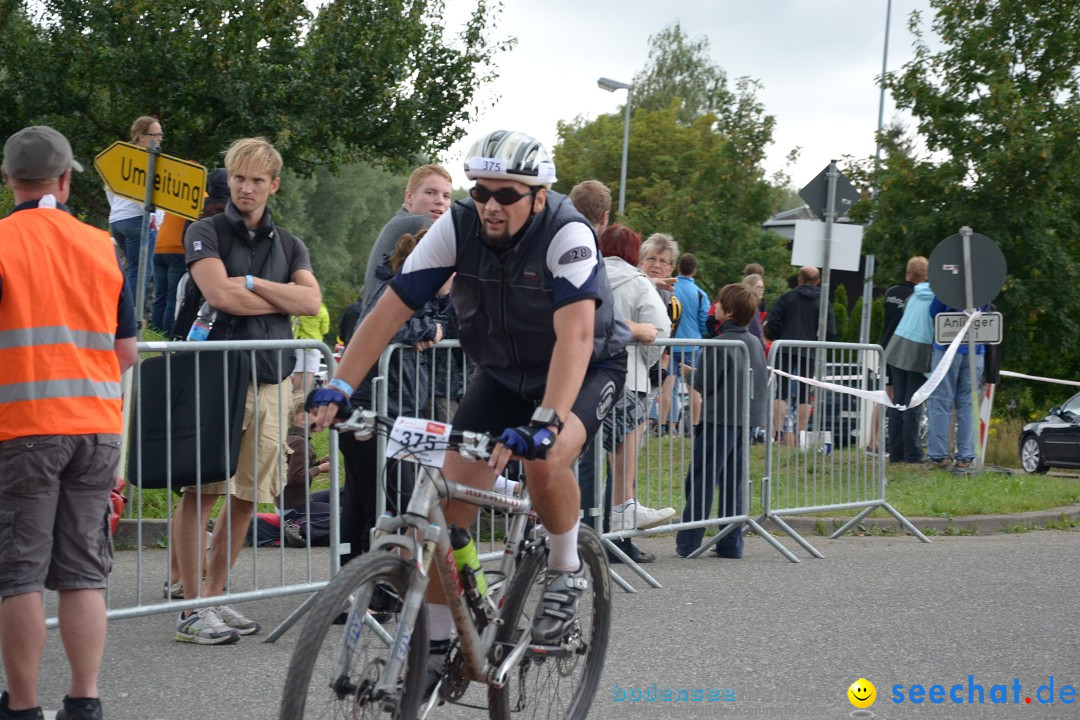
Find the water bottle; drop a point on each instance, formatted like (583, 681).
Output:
(473, 582)
(203, 324)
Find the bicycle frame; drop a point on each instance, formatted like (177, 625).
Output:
(424, 519)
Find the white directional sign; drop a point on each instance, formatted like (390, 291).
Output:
(986, 327)
(808, 246)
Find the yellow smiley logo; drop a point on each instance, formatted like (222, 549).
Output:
(862, 693)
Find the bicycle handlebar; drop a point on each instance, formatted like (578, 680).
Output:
(365, 423)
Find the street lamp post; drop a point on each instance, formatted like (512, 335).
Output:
(611, 86)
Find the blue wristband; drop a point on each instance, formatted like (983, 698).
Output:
(339, 384)
(251, 283)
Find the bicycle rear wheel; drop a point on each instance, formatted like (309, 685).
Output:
(311, 688)
(555, 683)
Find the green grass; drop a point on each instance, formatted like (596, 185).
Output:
(938, 493)
(912, 490)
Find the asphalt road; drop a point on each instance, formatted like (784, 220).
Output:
(786, 639)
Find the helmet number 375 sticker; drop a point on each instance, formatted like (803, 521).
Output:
(483, 164)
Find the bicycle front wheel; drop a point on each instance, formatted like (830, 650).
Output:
(313, 689)
(555, 684)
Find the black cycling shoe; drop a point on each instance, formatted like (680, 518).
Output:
(558, 605)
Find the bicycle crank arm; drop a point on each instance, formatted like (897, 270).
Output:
(499, 677)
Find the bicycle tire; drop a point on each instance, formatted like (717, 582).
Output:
(309, 691)
(543, 686)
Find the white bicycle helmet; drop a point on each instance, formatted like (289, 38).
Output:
(506, 155)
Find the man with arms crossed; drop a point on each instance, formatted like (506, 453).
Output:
(253, 303)
(536, 315)
(67, 331)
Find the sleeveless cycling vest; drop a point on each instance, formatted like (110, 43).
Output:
(504, 302)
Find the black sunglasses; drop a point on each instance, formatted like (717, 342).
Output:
(503, 196)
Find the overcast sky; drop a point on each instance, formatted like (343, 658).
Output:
(817, 60)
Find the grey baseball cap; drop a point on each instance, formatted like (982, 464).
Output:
(38, 153)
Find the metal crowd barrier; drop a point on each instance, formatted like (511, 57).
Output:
(259, 573)
(672, 467)
(816, 437)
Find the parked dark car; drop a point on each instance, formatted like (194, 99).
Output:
(1053, 441)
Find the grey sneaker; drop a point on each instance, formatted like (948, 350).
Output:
(80, 709)
(205, 627)
(558, 606)
(236, 621)
(294, 537)
(174, 590)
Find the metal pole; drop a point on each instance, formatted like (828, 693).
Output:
(144, 239)
(830, 216)
(868, 286)
(625, 149)
(881, 98)
(973, 374)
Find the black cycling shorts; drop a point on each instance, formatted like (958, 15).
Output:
(490, 407)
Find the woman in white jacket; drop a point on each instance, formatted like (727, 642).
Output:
(643, 311)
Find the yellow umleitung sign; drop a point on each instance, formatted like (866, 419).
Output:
(178, 184)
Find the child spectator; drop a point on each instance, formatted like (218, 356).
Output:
(718, 450)
(303, 466)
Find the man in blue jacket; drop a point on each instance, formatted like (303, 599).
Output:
(954, 391)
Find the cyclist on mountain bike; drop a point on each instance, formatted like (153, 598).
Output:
(536, 316)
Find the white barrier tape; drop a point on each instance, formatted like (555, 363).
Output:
(1007, 373)
(879, 396)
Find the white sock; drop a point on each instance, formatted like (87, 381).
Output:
(562, 550)
(504, 486)
(440, 622)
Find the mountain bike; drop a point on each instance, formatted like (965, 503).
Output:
(376, 664)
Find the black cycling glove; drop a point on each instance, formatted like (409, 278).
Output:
(326, 395)
(531, 443)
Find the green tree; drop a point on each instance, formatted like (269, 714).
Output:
(997, 104)
(338, 214)
(375, 80)
(680, 69)
(694, 162)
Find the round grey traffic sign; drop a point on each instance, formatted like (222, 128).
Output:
(988, 271)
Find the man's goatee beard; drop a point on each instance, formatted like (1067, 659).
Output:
(496, 242)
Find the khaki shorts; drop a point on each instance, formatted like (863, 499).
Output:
(262, 446)
(54, 508)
